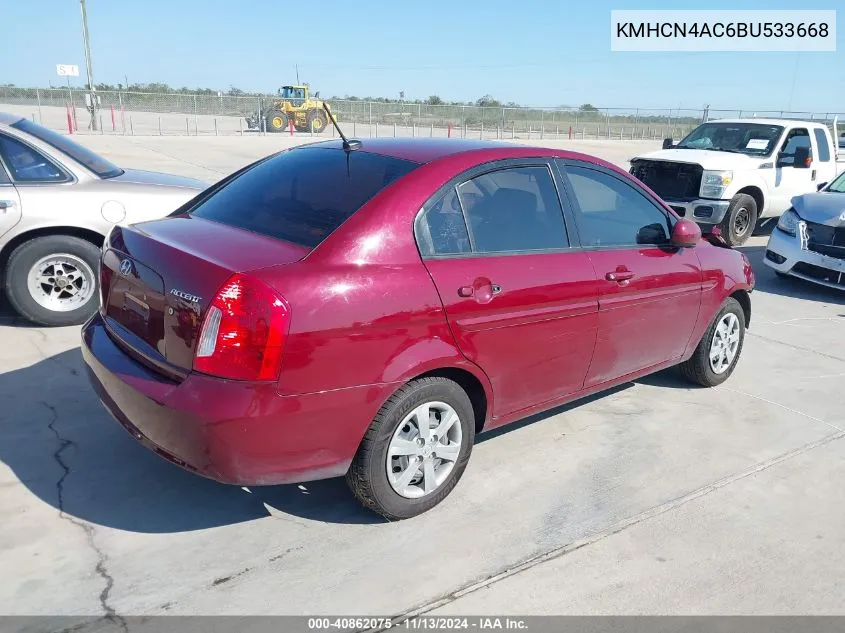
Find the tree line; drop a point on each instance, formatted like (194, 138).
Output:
(487, 101)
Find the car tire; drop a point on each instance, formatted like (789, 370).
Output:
(740, 220)
(700, 368)
(396, 428)
(276, 121)
(73, 294)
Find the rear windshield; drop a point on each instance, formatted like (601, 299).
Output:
(302, 195)
(82, 155)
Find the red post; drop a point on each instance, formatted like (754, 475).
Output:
(449, 133)
(290, 126)
(113, 124)
(570, 132)
(69, 120)
(75, 124)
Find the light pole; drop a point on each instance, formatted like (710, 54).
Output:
(92, 91)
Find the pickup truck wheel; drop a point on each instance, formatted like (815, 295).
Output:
(717, 353)
(415, 450)
(52, 280)
(740, 220)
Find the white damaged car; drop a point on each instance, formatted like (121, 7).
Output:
(809, 240)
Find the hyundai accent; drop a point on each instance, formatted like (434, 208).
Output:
(367, 308)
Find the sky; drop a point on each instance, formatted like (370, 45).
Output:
(533, 52)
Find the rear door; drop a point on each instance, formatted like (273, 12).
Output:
(520, 300)
(649, 292)
(10, 202)
(27, 177)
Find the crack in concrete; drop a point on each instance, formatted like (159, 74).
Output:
(87, 528)
(796, 347)
(620, 526)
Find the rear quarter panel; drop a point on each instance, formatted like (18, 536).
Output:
(362, 325)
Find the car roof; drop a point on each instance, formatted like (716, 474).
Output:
(426, 150)
(8, 119)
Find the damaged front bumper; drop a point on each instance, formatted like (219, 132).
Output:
(791, 255)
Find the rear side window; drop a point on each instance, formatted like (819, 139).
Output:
(27, 165)
(83, 155)
(302, 195)
(513, 209)
(824, 147)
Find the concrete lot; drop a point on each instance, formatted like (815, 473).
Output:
(656, 498)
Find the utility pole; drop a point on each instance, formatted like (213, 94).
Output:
(92, 91)
(297, 73)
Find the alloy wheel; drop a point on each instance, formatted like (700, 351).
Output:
(725, 343)
(424, 449)
(61, 282)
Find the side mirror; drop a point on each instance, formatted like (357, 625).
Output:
(667, 143)
(685, 234)
(803, 158)
(821, 186)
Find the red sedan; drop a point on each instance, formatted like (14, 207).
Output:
(366, 310)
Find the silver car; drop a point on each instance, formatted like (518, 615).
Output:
(58, 200)
(809, 240)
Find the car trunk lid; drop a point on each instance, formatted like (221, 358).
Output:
(159, 278)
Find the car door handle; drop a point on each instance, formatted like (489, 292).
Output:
(619, 275)
(469, 291)
(7, 204)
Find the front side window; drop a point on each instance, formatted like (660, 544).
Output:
(838, 185)
(26, 165)
(799, 137)
(614, 213)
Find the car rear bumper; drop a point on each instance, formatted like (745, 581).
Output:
(232, 432)
(785, 255)
(702, 211)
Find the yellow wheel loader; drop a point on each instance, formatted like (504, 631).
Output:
(294, 104)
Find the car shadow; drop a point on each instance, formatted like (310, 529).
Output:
(767, 281)
(9, 317)
(64, 447)
(549, 413)
(765, 227)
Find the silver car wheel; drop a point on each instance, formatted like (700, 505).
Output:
(725, 343)
(61, 282)
(424, 449)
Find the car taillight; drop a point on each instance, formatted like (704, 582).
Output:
(244, 330)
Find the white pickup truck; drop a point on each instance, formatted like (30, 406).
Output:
(733, 172)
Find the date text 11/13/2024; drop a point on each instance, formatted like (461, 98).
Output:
(422, 623)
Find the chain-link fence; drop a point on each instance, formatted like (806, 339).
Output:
(137, 113)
